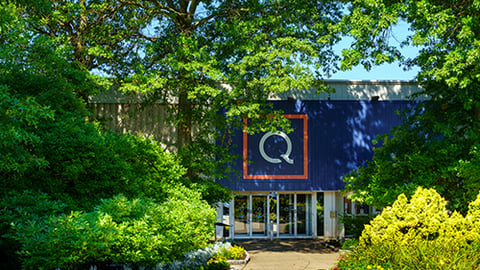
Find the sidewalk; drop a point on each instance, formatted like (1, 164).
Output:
(288, 254)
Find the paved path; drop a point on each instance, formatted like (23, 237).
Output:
(279, 254)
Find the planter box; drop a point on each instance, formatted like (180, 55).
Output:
(240, 262)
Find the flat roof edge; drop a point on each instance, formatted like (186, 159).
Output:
(371, 82)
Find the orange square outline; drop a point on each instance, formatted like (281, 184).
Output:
(280, 176)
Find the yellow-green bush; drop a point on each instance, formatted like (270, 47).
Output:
(424, 217)
(236, 253)
(232, 253)
(473, 216)
(420, 233)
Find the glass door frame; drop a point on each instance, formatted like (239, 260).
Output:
(274, 231)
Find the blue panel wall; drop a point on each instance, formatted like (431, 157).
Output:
(338, 137)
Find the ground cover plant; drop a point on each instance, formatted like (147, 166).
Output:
(420, 233)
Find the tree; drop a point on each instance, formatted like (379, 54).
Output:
(91, 35)
(48, 144)
(199, 58)
(436, 141)
(230, 56)
(53, 159)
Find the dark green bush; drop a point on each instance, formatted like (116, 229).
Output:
(19, 208)
(354, 225)
(53, 148)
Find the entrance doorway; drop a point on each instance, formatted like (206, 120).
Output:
(250, 215)
(259, 215)
(295, 213)
(274, 215)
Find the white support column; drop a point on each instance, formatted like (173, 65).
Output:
(231, 219)
(314, 215)
(340, 206)
(330, 214)
(219, 229)
(250, 213)
(295, 215)
(278, 215)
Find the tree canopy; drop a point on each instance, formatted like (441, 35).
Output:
(437, 145)
(201, 58)
(46, 140)
(198, 58)
(209, 56)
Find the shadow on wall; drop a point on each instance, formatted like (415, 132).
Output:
(340, 135)
(147, 121)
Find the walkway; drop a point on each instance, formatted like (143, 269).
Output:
(288, 254)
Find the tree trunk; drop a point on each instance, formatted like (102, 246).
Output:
(184, 124)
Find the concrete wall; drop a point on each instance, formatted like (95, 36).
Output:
(124, 113)
(357, 90)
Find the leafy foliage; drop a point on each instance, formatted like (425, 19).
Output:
(20, 116)
(201, 56)
(47, 142)
(354, 225)
(445, 31)
(17, 208)
(57, 151)
(135, 232)
(419, 233)
(438, 138)
(88, 35)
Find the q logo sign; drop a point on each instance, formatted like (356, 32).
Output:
(277, 155)
(285, 156)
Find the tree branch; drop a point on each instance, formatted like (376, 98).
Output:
(193, 6)
(151, 39)
(206, 19)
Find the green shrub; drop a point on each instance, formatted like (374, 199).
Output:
(137, 232)
(16, 209)
(419, 234)
(48, 144)
(354, 225)
(349, 244)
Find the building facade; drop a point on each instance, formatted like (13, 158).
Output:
(289, 185)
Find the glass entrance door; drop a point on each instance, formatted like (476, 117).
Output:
(273, 215)
(241, 206)
(295, 211)
(259, 215)
(287, 214)
(303, 221)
